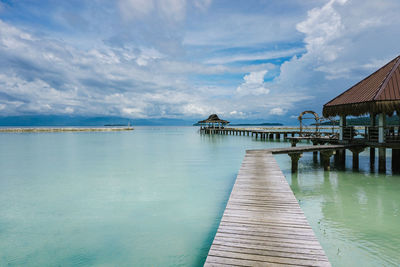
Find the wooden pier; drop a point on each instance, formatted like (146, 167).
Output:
(270, 134)
(263, 224)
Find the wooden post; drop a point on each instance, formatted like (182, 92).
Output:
(341, 158)
(278, 136)
(337, 157)
(382, 125)
(382, 159)
(326, 158)
(295, 161)
(342, 124)
(372, 159)
(356, 151)
(395, 160)
(315, 153)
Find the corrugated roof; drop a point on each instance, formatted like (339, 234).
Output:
(382, 85)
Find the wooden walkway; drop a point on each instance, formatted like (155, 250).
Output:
(263, 224)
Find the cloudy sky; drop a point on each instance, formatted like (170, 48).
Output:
(254, 59)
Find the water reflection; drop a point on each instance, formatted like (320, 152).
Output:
(356, 215)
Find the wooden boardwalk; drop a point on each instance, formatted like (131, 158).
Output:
(263, 224)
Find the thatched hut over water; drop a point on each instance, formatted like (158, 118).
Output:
(213, 121)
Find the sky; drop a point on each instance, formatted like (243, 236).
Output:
(256, 59)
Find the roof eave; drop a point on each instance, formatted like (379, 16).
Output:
(357, 109)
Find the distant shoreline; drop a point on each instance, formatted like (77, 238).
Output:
(60, 129)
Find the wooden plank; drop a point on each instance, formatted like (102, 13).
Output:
(263, 224)
(301, 149)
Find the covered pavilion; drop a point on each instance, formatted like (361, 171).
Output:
(214, 122)
(376, 95)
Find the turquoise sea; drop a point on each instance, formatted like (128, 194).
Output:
(154, 197)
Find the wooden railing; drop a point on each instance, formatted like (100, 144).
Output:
(392, 134)
(349, 133)
(372, 133)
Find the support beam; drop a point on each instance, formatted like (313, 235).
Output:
(326, 158)
(342, 124)
(395, 160)
(315, 153)
(337, 158)
(295, 161)
(356, 151)
(382, 125)
(372, 159)
(382, 159)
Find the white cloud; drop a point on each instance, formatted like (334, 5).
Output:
(195, 109)
(341, 50)
(322, 26)
(243, 30)
(173, 9)
(148, 54)
(174, 58)
(69, 110)
(237, 114)
(202, 4)
(253, 84)
(277, 111)
(134, 9)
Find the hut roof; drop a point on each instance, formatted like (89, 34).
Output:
(213, 118)
(377, 93)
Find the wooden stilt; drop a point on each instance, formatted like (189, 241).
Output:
(382, 159)
(295, 161)
(356, 152)
(326, 159)
(315, 153)
(372, 159)
(395, 160)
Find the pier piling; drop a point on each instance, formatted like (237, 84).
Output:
(382, 159)
(295, 161)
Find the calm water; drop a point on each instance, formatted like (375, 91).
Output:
(154, 197)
